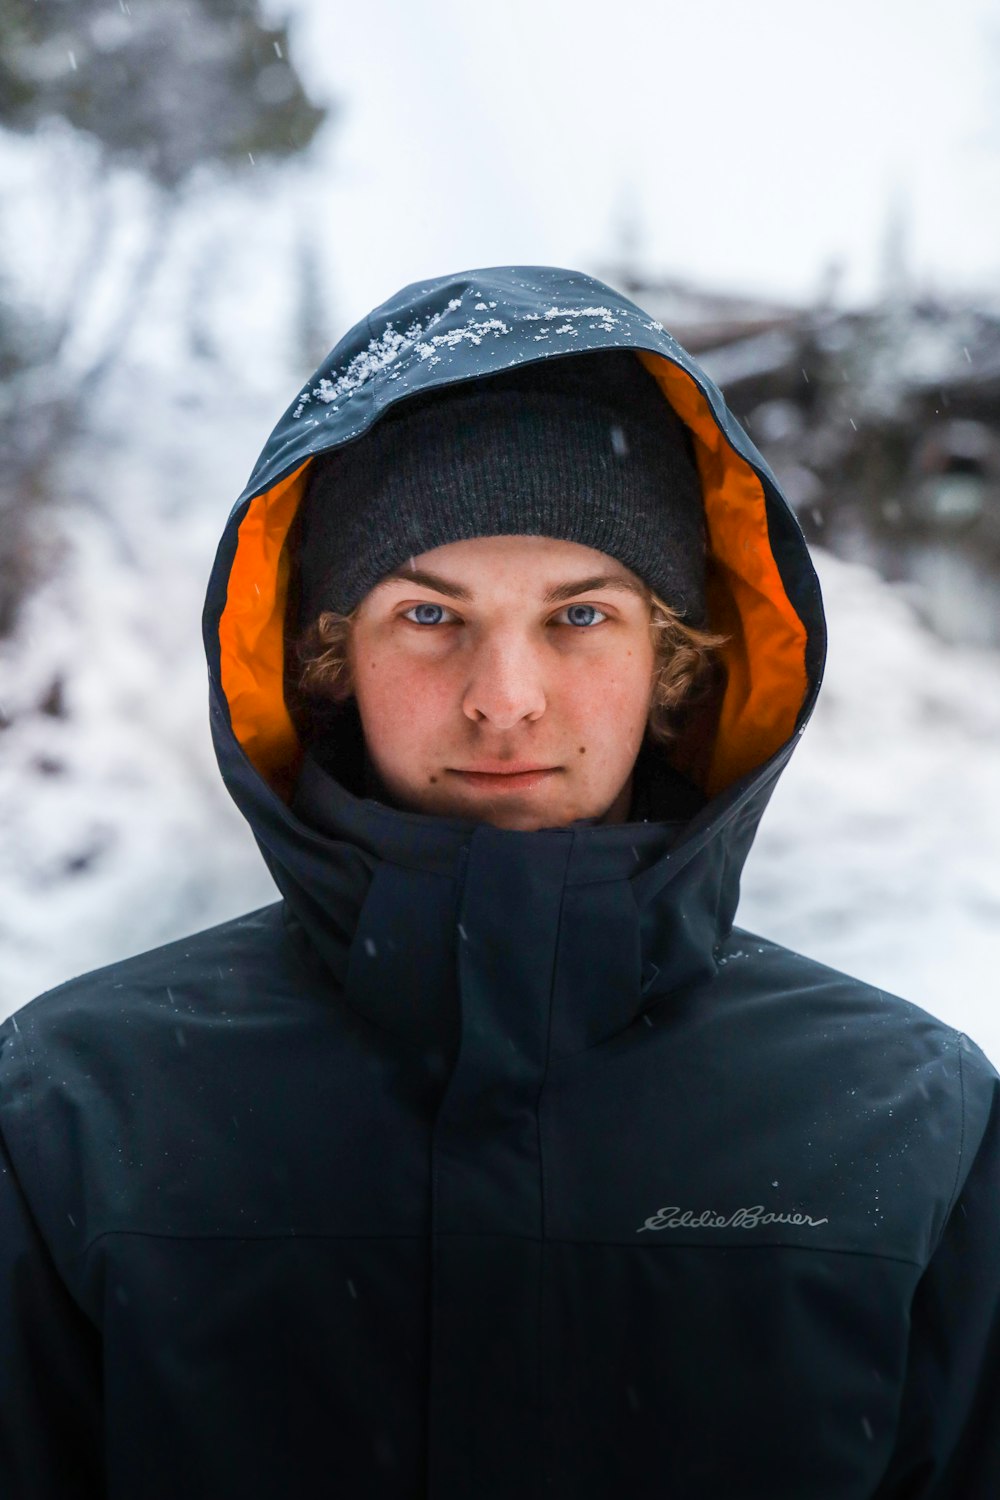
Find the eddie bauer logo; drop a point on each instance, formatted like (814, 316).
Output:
(743, 1218)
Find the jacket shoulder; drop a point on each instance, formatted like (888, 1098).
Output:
(826, 987)
(109, 1056)
(115, 1021)
(895, 1036)
(185, 961)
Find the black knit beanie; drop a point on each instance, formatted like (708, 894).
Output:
(584, 448)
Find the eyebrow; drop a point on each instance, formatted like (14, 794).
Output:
(591, 585)
(425, 580)
(562, 591)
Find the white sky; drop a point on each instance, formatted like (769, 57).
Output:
(752, 144)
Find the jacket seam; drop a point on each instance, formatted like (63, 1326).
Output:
(29, 1063)
(960, 1037)
(543, 1239)
(548, 1044)
(309, 1234)
(234, 1237)
(433, 1175)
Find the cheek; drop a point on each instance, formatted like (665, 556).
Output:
(400, 701)
(616, 698)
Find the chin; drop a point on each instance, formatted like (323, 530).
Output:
(514, 819)
(518, 819)
(523, 822)
(517, 813)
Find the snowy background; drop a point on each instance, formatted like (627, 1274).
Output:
(808, 160)
(775, 147)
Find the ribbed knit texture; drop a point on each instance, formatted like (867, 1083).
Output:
(584, 449)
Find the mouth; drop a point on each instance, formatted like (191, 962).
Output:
(509, 777)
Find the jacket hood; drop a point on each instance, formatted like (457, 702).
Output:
(763, 596)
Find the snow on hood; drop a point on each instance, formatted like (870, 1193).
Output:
(763, 593)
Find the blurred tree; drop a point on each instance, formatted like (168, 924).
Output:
(161, 86)
(165, 85)
(29, 410)
(313, 321)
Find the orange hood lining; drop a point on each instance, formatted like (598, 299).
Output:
(764, 655)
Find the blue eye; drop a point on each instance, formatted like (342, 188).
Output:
(426, 614)
(584, 614)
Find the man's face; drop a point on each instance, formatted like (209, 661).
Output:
(506, 680)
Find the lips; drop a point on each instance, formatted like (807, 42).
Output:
(504, 776)
(502, 768)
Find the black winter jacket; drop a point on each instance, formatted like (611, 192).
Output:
(492, 1165)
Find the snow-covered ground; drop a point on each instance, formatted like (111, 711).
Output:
(880, 852)
(116, 831)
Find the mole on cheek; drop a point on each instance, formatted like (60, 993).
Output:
(433, 780)
(583, 749)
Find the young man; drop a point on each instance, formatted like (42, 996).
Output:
(493, 1161)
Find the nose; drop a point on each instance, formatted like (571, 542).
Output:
(504, 684)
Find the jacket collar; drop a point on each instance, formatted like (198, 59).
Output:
(435, 910)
